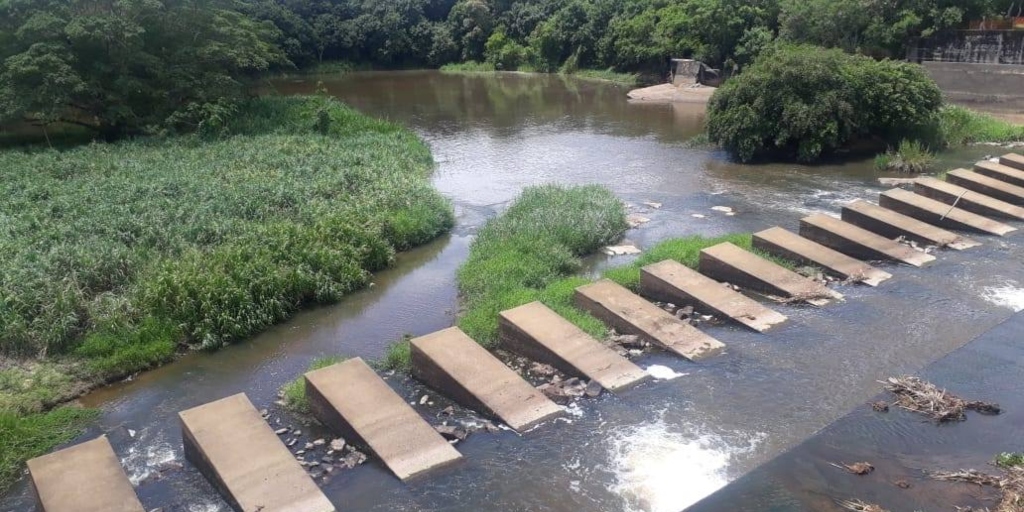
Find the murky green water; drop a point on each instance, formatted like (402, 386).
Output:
(657, 448)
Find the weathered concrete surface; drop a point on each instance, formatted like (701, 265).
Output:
(628, 313)
(940, 214)
(539, 333)
(969, 200)
(990, 86)
(727, 262)
(785, 244)
(986, 185)
(859, 242)
(671, 281)
(86, 477)
(1013, 160)
(1000, 172)
(451, 362)
(892, 225)
(353, 401)
(231, 444)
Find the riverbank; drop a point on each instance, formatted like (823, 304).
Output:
(122, 256)
(601, 75)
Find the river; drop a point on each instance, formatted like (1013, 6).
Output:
(658, 448)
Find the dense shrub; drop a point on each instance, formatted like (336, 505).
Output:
(805, 101)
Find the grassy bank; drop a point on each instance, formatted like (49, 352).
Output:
(962, 126)
(119, 256)
(606, 75)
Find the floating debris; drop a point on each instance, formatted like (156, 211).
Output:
(860, 506)
(880, 406)
(652, 204)
(699, 216)
(857, 468)
(723, 209)
(925, 398)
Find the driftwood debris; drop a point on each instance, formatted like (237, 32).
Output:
(925, 398)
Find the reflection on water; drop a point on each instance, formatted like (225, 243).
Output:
(662, 468)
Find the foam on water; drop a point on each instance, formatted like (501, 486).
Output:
(141, 463)
(663, 372)
(1008, 296)
(658, 468)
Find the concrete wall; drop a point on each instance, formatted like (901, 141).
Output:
(973, 46)
(986, 85)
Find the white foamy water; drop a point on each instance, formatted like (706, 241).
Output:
(659, 468)
(663, 372)
(1007, 296)
(141, 463)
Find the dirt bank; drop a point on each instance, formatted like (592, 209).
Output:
(668, 93)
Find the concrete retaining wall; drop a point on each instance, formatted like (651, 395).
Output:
(990, 85)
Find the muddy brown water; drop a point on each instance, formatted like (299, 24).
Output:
(658, 448)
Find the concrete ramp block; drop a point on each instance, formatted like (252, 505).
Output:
(352, 400)
(235, 449)
(785, 244)
(86, 477)
(628, 313)
(940, 214)
(858, 242)
(1000, 172)
(892, 225)
(1013, 160)
(974, 202)
(671, 281)
(539, 333)
(985, 185)
(727, 262)
(451, 362)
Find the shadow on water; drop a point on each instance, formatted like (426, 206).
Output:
(658, 448)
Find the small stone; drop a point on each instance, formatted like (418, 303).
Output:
(902, 484)
(880, 406)
(326, 459)
(309, 446)
(451, 432)
(447, 411)
(337, 444)
(264, 413)
(593, 389)
(354, 459)
(319, 442)
(653, 204)
(723, 209)
(300, 452)
(424, 400)
(297, 433)
(292, 442)
(544, 370)
(328, 468)
(281, 431)
(636, 220)
(314, 464)
(698, 216)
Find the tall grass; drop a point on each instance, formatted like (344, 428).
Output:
(960, 126)
(911, 157)
(607, 75)
(117, 255)
(24, 437)
(471, 66)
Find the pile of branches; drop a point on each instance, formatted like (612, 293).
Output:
(925, 398)
(1010, 484)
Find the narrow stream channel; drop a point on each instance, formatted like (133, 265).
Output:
(658, 448)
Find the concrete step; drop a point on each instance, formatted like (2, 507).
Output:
(671, 281)
(1013, 160)
(539, 333)
(858, 242)
(969, 200)
(86, 477)
(985, 185)
(357, 404)
(788, 245)
(892, 225)
(459, 367)
(628, 313)
(940, 214)
(1000, 172)
(231, 444)
(727, 262)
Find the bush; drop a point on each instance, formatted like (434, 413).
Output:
(911, 157)
(803, 101)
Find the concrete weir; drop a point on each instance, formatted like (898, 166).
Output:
(785, 244)
(671, 281)
(969, 200)
(985, 185)
(86, 477)
(628, 313)
(1013, 160)
(1000, 172)
(239, 454)
(539, 333)
(892, 225)
(859, 242)
(451, 362)
(353, 401)
(728, 262)
(940, 214)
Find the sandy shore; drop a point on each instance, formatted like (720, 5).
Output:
(668, 93)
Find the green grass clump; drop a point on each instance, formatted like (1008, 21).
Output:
(684, 250)
(397, 356)
(1010, 460)
(23, 437)
(959, 126)
(911, 157)
(468, 67)
(294, 392)
(608, 75)
(116, 256)
(529, 252)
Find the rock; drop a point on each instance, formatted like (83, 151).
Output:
(544, 370)
(491, 427)
(281, 431)
(292, 441)
(860, 468)
(319, 442)
(451, 432)
(880, 406)
(337, 444)
(635, 220)
(309, 446)
(354, 459)
(297, 433)
(902, 484)
(264, 413)
(328, 468)
(698, 216)
(684, 312)
(723, 209)
(896, 182)
(300, 452)
(447, 411)
(424, 400)
(327, 460)
(131, 433)
(593, 389)
(627, 340)
(621, 250)
(652, 204)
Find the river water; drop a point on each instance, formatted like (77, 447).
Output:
(658, 448)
